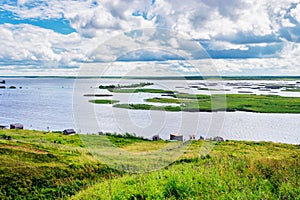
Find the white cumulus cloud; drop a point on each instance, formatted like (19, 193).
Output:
(224, 25)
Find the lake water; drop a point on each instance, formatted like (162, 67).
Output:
(57, 104)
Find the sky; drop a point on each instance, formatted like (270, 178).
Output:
(149, 37)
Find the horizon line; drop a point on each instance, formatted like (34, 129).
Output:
(243, 77)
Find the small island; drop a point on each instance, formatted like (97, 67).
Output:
(97, 95)
(134, 85)
(244, 101)
(219, 102)
(103, 101)
(292, 90)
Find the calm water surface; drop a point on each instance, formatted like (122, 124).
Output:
(56, 104)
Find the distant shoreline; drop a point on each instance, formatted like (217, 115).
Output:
(169, 77)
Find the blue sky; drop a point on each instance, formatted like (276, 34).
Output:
(59, 25)
(238, 37)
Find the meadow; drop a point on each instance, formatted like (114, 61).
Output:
(45, 165)
(233, 170)
(220, 102)
(42, 165)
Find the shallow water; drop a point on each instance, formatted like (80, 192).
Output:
(56, 104)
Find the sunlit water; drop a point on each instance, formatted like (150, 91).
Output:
(57, 104)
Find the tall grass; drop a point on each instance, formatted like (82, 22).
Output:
(42, 165)
(229, 172)
(34, 165)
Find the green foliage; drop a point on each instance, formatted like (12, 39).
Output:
(4, 136)
(204, 89)
(103, 101)
(292, 90)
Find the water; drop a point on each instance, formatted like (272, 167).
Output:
(57, 104)
(41, 103)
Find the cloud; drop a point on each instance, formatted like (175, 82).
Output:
(27, 44)
(223, 45)
(203, 67)
(145, 68)
(257, 66)
(295, 13)
(234, 30)
(197, 19)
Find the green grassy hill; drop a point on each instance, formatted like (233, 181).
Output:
(42, 165)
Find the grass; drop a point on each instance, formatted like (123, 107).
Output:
(292, 90)
(124, 154)
(43, 165)
(232, 170)
(122, 140)
(204, 89)
(233, 102)
(103, 101)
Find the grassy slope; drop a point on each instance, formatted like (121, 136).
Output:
(232, 170)
(39, 165)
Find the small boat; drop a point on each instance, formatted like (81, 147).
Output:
(2, 82)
